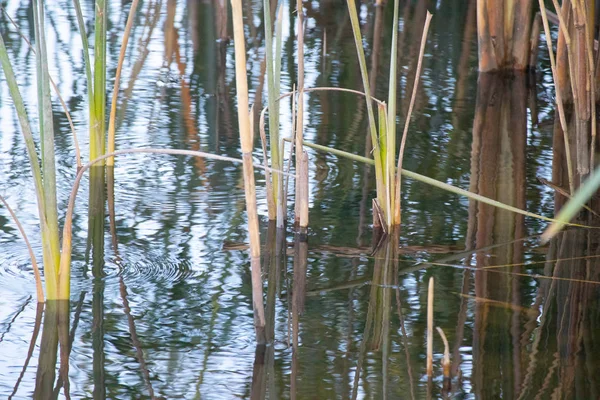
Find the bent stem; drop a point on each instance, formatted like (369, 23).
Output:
(34, 264)
(65, 260)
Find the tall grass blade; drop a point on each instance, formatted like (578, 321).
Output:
(362, 61)
(34, 162)
(391, 117)
(46, 126)
(86, 52)
(60, 98)
(573, 206)
(98, 108)
(273, 91)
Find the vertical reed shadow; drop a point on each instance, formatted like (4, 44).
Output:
(55, 326)
(298, 299)
(561, 360)
(498, 172)
(95, 249)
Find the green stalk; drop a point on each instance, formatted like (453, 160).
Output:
(46, 124)
(391, 113)
(98, 109)
(273, 106)
(384, 202)
(379, 173)
(86, 52)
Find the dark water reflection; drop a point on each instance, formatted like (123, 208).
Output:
(167, 313)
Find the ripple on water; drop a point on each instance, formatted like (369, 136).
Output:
(155, 270)
(16, 271)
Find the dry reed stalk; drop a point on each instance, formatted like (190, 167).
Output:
(559, 98)
(36, 271)
(535, 40)
(503, 34)
(430, 329)
(397, 205)
(249, 186)
(446, 366)
(113, 107)
(519, 32)
(591, 83)
(581, 87)
(300, 196)
(303, 184)
(487, 61)
(282, 205)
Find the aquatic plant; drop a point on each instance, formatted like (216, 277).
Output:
(246, 139)
(388, 182)
(43, 168)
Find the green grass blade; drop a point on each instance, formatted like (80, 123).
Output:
(98, 120)
(442, 185)
(273, 94)
(46, 121)
(384, 202)
(391, 104)
(362, 61)
(86, 51)
(573, 206)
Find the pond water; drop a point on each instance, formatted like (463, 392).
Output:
(165, 309)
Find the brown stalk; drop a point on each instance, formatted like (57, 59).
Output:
(301, 197)
(535, 40)
(590, 83)
(397, 205)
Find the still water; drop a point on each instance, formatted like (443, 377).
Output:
(164, 310)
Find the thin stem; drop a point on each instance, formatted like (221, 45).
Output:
(113, 108)
(397, 206)
(559, 100)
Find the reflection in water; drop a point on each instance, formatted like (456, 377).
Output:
(170, 310)
(498, 172)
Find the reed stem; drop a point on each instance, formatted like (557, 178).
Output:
(246, 139)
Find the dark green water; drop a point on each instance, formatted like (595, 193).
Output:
(168, 312)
